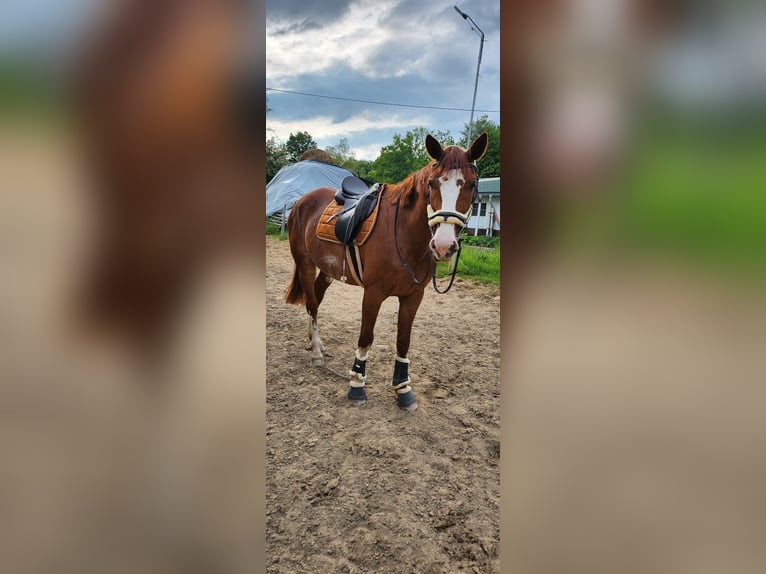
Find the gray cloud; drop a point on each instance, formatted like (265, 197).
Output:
(319, 11)
(420, 54)
(296, 28)
(348, 83)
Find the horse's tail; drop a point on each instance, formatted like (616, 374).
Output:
(294, 293)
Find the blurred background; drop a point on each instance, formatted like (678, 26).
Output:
(691, 185)
(634, 398)
(633, 367)
(131, 346)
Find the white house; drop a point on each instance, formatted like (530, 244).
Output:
(485, 218)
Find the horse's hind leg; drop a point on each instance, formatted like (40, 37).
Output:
(317, 348)
(307, 275)
(321, 283)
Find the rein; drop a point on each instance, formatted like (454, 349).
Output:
(396, 244)
(454, 270)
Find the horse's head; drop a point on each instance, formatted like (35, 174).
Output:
(452, 188)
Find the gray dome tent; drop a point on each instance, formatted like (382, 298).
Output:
(294, 180)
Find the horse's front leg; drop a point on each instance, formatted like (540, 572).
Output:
(408, 308)
(371, 303)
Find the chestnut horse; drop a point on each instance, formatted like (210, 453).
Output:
(418, 223)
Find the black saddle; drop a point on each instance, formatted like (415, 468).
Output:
(351, 188)
(358, 203)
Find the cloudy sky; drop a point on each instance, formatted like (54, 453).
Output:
(419, 55)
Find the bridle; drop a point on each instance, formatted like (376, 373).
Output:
(445, 215)
(435, 218)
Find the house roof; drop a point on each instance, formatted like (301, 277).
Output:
(489, 186)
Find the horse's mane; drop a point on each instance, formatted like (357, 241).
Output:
(453, 157)
(409, 187)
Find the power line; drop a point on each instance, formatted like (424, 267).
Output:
(377, 103)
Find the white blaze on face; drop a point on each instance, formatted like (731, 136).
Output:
(445, 237)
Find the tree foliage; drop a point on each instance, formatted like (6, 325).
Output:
(344, 156)
(341, 154)
(362, 168)
(276, 157)
(297, 144)
(279, 154)
(489, 165)
(404, 155)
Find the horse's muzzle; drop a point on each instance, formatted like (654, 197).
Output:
(443, 252)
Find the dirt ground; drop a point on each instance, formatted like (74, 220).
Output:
(375, 489)
(632, 401)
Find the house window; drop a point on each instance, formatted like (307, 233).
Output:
(475, 209)
(483, 210)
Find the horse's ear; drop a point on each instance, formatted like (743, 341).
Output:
(433, 147)
(478, 147)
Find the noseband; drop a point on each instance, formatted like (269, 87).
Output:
(445, 216)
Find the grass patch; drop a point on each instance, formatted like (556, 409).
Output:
(480, 240)
(274, 229)
(478, 263)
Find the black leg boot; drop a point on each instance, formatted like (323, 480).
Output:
(356, 392)
(401, 383)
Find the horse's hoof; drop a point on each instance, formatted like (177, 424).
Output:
(357, 396)
(407, 402)
(317, 361)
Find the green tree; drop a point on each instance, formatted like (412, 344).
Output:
(361, 167)
(405, 155)
(341, 154)
(489, 165)
(276, 157)
(297, 144)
